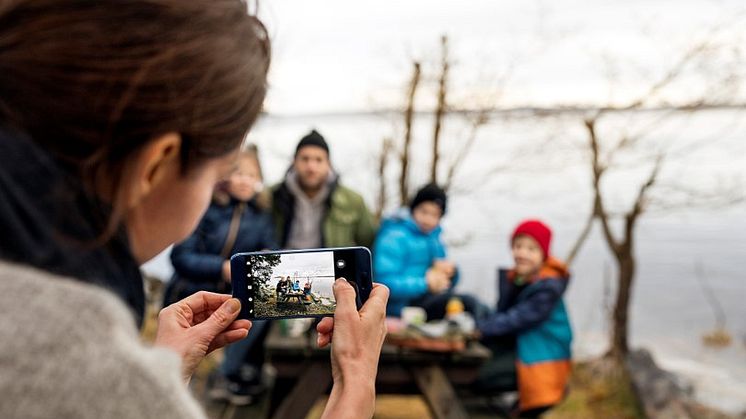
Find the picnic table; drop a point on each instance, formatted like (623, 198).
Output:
(304, 374)
(298, 296)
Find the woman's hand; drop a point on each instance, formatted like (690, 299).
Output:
(199, 324)
(356, 347)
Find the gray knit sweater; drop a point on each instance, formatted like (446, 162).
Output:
(71, 350)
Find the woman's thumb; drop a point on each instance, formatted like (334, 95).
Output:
(222, 317)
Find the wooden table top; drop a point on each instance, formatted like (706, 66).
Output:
(304, 347)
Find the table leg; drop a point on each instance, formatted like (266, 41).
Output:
(438, 392)
(311, 384)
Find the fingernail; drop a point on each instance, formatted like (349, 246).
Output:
(233, 305)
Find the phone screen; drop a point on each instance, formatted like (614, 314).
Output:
(291, 284)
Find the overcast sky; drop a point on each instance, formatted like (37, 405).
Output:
(341, 55)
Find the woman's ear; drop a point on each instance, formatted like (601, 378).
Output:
(157, 162)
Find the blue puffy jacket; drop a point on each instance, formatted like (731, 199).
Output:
(402, 254)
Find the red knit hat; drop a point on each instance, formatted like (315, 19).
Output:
(537, 231)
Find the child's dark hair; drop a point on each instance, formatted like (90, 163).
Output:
(92, 82)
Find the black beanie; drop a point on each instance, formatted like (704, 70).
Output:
(430, 192)
(313, 138)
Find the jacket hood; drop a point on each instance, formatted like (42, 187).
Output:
(554, 268)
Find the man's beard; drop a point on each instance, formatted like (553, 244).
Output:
(309, 187)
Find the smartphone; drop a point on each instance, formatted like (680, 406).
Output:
(298, 283)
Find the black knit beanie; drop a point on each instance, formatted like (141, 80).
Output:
(430, 192)
(313, 138)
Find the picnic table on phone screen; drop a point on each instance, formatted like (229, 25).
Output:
(304, 374)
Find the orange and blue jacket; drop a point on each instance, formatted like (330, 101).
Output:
(536, 315)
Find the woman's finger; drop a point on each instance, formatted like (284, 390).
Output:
(377, 300)
(344, 294)
(227, 337)
(323, 340)
(326, 325)
(240, 324)
(204, 301)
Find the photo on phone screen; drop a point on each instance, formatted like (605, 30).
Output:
(292, 284)
(297, 283)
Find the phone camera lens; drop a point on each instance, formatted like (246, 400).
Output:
(341, 264)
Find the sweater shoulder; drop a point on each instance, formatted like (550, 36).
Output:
(72, 350)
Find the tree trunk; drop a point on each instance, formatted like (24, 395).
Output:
(408, 117)
(619, 335)
(440, 110)
(382, 164)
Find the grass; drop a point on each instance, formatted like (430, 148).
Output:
(598, 390)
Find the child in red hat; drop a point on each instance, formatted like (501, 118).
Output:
(530, 332)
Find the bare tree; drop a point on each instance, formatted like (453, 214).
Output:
(440, 110)
(475, 118)
(603, 156)
(408, 119)
(622, 248)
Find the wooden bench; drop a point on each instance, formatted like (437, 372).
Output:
(304, 374)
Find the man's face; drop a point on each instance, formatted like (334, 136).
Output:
(313, 167)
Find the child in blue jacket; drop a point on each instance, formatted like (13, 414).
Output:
(410, 258)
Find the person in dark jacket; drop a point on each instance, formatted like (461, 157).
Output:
(312, 209)
(236, 221)
(530, 333)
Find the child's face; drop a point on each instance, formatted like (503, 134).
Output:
(427, 216)
(527, 255)
(242, 182)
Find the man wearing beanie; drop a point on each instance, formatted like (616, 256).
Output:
(410, 258)
(312, 209)
(529, 334)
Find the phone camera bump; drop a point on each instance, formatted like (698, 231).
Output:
(341, 264)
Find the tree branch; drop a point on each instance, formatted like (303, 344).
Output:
(581, 239)
(383, 160)
(408, 117)
(477, 123)
(441, 109)
(640, 201)
(673, 73)
(599, 209)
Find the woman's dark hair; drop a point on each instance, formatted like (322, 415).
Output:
(91, 82)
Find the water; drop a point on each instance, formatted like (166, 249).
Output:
(548, 178)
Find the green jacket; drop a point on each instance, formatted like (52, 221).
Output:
(347, 221)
